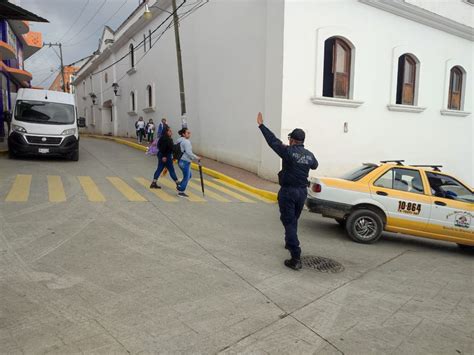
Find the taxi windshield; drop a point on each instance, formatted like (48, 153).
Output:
(359, 173)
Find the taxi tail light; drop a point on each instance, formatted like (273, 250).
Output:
(316, 188)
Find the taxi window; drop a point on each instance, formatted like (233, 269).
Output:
(402, 180)
(447, 187)
(359, 173)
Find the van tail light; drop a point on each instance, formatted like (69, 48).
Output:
(316, 188)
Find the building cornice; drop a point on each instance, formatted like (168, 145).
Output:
(425, 17)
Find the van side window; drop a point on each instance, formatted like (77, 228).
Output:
(401, 180)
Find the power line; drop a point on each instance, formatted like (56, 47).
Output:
(142, 42)
(90, 20)
(182, 17)
(49, 76)
(99, 28)
(77, 18)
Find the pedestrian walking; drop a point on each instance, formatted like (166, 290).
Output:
(140, 127)
(184, 160)
(293, 179)
(161, 127)
(165, 158)
(150, 130)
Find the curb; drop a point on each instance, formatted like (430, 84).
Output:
(263, 193)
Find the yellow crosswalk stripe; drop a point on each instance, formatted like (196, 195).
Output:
(56, 189)
(172, 185)
(90, 188)
(158, 192)
(126, 189)
(258, 197)
(20, 190)
(208, 193)
(227, 191)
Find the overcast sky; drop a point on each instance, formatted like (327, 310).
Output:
(78, 24)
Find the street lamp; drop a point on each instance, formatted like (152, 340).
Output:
(93, 97)
(147, 14)
(116, 87)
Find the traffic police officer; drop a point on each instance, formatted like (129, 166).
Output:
(293, 179)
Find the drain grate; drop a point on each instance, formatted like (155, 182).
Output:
(321, 264)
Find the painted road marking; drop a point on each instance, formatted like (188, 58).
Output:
(158, 192)
(258, 197)
(90, 188)
(20, 190)
(126, 189)
(227, 191)
(209, 193)
(56, 189)
(192, 197)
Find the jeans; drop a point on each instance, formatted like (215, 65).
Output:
(168, 165)
(140, 134)
(150, 136)
(291, 202)
(185, 167)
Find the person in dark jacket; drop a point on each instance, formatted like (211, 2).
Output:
(165, 158)
(293, 179)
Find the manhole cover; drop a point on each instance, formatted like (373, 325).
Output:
(321, 264)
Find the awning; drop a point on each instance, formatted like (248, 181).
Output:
(18, 74)
(9, 11)
(6, 51)
(19, 27)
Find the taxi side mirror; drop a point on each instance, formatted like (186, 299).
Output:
(81, 122)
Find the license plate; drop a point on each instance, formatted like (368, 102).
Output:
(43, 150)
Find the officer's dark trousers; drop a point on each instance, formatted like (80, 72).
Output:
(291, 202)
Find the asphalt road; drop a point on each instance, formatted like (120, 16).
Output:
(91, 261)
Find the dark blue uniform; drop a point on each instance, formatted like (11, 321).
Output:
(293, 179)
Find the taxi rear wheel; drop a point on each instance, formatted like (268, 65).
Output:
(364, 226)
(465, 247)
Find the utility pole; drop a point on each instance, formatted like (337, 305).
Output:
(61, 58)
(180, 65)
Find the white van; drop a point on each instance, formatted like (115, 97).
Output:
(44, 123)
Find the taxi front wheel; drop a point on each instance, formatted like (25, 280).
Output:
(364, 226)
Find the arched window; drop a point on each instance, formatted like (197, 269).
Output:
(149, 92)
(455, 88)
(132, 102)
(406, 81)
(337, 68)
(132, 55)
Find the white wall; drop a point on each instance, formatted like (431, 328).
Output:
(232, 58)
(457, 10)
(375, 133)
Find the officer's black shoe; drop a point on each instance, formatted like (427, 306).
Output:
(154, 185)
(294, 264)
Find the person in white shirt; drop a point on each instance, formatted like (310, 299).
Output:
(140, 127)
(184, 162)
(150, 130)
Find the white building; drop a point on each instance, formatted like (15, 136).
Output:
(367, 80)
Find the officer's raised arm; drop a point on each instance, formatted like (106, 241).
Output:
(271, 139)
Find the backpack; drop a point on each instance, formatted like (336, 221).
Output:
(177, 152)
(152, 148)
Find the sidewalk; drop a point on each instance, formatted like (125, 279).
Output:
(232, 171)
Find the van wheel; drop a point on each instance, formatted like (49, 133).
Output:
(364, 226)
(75, 156)
(341, 221)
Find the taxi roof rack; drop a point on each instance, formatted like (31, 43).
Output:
(399, 162)
(433, 166)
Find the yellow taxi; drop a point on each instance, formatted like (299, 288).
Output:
(417, 200)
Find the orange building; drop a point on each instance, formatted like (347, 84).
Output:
(57, 84)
